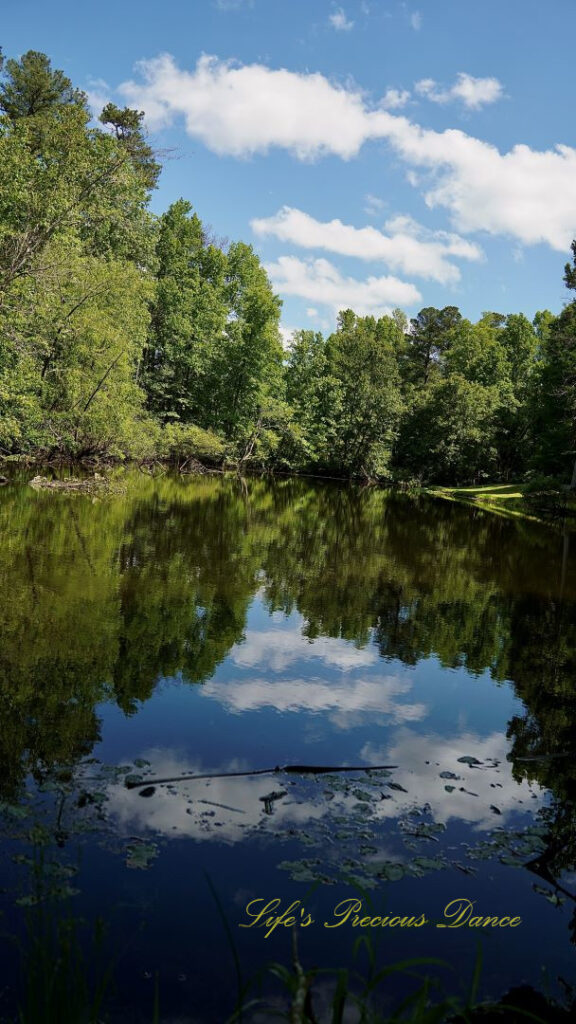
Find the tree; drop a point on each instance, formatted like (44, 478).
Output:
(365, 397)
(429, 338)
(74, 338)
(246, 370)
(127, 127)
(554, 400)
(570, 272)
(31, 87)
(60, 178)
(189, 315)
(74, 288)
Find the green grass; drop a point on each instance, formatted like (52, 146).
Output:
(507, 500)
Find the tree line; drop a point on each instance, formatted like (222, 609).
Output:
(126, 335)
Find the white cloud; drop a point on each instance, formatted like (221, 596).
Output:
(416, 21)
(208, 810)
(356, 698)
(394, 99)
(227, 809)
(472, 92)
(340, 22)
(319, 281)
(244, 110)
(99, 94)
(422, 758)
(403, 250)
(374, 205)
(524, 193)
(275, 649)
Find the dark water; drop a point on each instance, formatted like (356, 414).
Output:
(214, 626)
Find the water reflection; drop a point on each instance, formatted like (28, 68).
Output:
(431, 775)
(212, 625)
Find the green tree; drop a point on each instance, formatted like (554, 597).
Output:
(554, 402)
(429, 339)
(366, 399)
(246, 371)
(31, 87)
(309, 392)
(82, 183)
(128, 129)
(188, 318)
(77, 328)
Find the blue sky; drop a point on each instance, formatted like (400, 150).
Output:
(376, 154)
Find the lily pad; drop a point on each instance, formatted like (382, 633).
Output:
(141, 855)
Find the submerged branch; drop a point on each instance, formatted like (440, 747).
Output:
(294, 769)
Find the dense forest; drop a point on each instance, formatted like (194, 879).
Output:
(127, 335)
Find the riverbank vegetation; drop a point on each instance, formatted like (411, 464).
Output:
(129, 335)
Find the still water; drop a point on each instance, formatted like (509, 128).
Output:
(209, 626)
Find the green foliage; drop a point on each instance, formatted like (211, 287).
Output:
(539, 483)
(188, 318)
(309, 388)
(346, 396)
(469, 420)
(180, 442)
(553, 401)
(76, 331)
(429, 338)
(246, 369)
(570, 272)
(127, 127)
(362, 359)
(31, 87)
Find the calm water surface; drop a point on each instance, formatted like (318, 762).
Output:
(211, 625)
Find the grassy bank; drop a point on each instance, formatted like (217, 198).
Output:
(505, 499)
(513, 501)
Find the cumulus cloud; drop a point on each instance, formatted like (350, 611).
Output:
(404, 250)
(244, 110)
(340, 22)
(207, 810)
(524, 193)
(472, 92)
(348, 698)
(276, 649)
(422, 758)
(394, 99)
(416, 20)
(319, 281)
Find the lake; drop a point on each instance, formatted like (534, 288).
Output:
(213, 626)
